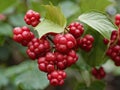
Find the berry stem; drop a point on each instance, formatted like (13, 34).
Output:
(50, 39)
(66, 30)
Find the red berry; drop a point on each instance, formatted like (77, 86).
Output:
(114, 53)
(86, 43)
(98, 73)
(32, 18)
(106, 41)
(22, 35)
(37, 47)
(117, 20)
(56, 78)
(114, 36)
(76, 29)
(63, 43)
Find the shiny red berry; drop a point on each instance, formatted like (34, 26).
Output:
(76, 29)
(32, 18)
(22, 35)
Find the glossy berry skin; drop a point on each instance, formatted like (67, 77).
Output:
(98, 73)
(56, 78)
(105, 41)
(114, 53)
(37, 47)
(117, 20)
(22, 35)
(64, 43)
(86, 43)
(47, 63)
(76, 29)
(113, 37)
(65, 60)
(32, 18)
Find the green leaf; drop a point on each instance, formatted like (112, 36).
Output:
(53, 22)
(96, 85)
(98, 22)
(97, 55)
(3, 80)
(88, 5)
(47, 26)
(27, 76)
(5, 29)
(32, 77)
(5, 5)
(15, 70)
(17, 20)
(2, 40)
(69, 8)
(55, 15)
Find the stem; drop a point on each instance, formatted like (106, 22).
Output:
(66, 30)
(50, 39)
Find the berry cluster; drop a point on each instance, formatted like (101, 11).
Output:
(32, 18)
(56, 77)
(86, 42)
(98, 73)
(54, 51)
(63, 43)
(76, 29)
(114, 47)
(37, 47)
(117, 20)
(22, 35)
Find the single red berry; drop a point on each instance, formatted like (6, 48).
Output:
(106, 41)
(22, 35)
(32, 18)
(86, 43)
(37, 47)
(76, 29)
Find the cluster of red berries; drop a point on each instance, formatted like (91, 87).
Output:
(32, 18)
(54, 52)
(86, 42)
(98, 73)
(114, 48)
(117, 20)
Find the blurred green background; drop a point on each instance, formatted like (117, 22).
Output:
(17, 72)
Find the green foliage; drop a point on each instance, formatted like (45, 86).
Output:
(98, 22)
(96, 85)
(55, 15)
(99, 5)
(27, 76)
(69, 8)
(5, 5)
(5, 29)
(3, 79)
(54, 21)
(17, 20)
(97, 55)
